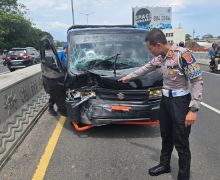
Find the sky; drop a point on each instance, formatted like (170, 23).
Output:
(55, 16)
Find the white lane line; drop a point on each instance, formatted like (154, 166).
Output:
(211, 108)
(211, 73)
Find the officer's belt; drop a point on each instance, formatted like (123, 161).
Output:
(176, 92)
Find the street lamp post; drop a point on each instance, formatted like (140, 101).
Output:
(72, 11)
(87, 16)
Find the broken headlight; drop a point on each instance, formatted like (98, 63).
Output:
(76, 94)
(155, 94)
(85, 93)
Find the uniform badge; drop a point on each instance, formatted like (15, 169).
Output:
(193, 71)
(170, 53)
(188, 57)
(173, 59)
(171, 71)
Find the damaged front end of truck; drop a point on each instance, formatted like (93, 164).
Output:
(97, 58)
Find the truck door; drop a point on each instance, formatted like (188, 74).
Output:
(53, 73)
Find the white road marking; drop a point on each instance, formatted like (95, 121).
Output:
(211, 108)
(211, 73)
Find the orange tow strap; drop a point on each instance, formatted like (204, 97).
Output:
(84, 128)
(80, 129)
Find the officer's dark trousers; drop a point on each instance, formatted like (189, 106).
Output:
(51, 102)
(57, 93)
(174, 134)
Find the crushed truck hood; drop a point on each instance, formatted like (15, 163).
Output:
(107, 79)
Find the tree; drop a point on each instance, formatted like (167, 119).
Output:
(196, 38)
(15, 29)
(188, 37)
(207, 36)
(218, 37)
(58, 44)
(12, 6)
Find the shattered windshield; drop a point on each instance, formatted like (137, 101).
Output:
(98, 51)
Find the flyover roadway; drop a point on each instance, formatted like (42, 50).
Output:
(53, 150)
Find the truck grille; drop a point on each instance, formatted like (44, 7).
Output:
(122, 95)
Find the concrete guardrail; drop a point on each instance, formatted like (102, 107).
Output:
(202, 57)
(22, 101)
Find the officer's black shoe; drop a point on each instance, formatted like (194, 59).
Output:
(159, 169)
(52, 111)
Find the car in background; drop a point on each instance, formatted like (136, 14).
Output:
(18, 58)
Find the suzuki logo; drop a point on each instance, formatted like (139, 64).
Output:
(121, 96)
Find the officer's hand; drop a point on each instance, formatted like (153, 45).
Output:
(124, 80)
(190, 118)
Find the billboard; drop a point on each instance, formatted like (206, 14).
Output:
(152, 17)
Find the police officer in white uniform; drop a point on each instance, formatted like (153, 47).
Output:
(182, 94)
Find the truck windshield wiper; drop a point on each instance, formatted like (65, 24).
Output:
(107, 59)
(116, 58)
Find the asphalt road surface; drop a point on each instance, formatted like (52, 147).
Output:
(115, 152)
